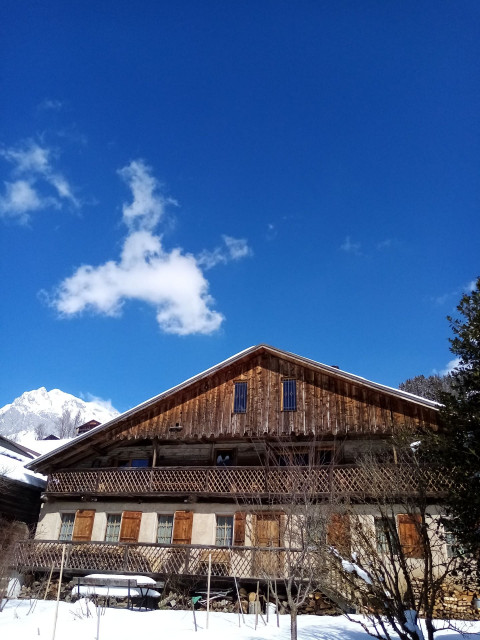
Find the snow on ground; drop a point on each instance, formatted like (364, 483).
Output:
(33, 620)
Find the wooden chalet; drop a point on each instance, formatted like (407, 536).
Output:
(20, 491)
(163, 486)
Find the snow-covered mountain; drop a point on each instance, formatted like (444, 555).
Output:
(44, 412)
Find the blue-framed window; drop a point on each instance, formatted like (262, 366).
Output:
(289, 395)
(240, 398)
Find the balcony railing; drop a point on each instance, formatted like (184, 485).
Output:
(184, 560)
(249, 481)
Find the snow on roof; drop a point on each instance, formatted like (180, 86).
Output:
(12, 466)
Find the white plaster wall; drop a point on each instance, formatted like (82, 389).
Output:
(203, 530)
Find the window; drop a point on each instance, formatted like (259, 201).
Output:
(66, 526)
(77, 526)
(289, 395)
(164, 529)
(385, 531)
(315, 530)
(324, 456)
(224, 457)
(112, 532)
(240, 398)
(134, 462)
(224, 531)
(296, 457)
(454, 548)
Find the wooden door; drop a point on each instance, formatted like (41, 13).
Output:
(82, 530)
(130, 526)
(267, 534)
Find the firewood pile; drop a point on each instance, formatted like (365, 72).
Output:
(225, 601)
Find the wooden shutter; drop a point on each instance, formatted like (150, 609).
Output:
(338, 533)
(82, 529)
(130, 526)
(239, 529)
(182, 527)
(409, 535)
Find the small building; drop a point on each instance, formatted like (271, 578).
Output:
(83, 428)
(20, 489)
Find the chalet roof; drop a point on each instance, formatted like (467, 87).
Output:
(17, 448)
(45, 459)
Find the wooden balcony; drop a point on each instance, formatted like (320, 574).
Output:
(247, 481)
(157, 560)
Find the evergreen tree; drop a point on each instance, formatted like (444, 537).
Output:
(461, 421)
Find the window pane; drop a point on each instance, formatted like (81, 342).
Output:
(289, 395)
(165, 529)
(139, 462)
(454, 549)
(385, 531)
(240, 398)
(224, 531)
(224, 457)
(324, 456)
(112, 533)
(66, 527)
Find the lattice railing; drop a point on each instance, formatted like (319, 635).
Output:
(188, 560)
(273, 563)
(240, 481)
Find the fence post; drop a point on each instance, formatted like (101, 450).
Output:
(58, 593)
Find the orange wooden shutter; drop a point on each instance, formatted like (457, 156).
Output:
(130, 526)
(82, 529)
(338, 532)
(182, 527)
(409, 534)
(239, 529)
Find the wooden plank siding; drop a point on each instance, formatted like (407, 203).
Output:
(325, 406)
(328, 405)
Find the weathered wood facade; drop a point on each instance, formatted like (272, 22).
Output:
(174, 470)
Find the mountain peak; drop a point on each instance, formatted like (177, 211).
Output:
(45, 412)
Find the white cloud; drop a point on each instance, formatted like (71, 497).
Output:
(35, 184)
(172, 282)
(233, 249)
(106, 404)
(148, 205)
(453, 364)
(19, 199)
(350, 247)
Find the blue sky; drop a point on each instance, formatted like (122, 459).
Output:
(182, 180)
